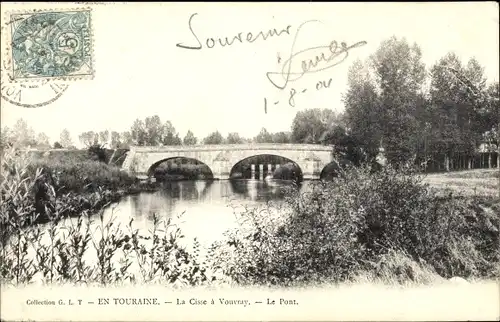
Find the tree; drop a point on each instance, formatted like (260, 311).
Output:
(42, 140)
(57, 145)
(309, 125)
(264, 137)
(89, 138)
(399, 75)
(214, 138)
(126, 139)
(115, 140)
(65, 139)
(489, 117)
(190, 139)
(171, 137)
(457, 105)
(138, 133)
(362, 106)
(234, 138)
(104, 137)
(281, 137)
(154, 131)
(22, 135)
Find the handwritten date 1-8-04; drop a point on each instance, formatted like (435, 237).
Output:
(293, 93)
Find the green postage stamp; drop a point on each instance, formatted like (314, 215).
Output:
(55, 44)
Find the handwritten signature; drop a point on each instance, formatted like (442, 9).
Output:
(335, 55)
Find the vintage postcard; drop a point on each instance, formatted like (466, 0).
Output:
(249, 161)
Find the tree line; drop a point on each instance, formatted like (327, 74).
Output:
(416, 113)
(393, 102)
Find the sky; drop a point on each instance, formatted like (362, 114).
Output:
(139, 71)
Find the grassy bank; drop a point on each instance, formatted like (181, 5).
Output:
(482, 182)
(388, 226)
(41, 189)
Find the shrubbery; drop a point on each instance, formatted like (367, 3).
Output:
(378, 225)
(35, 188)
(65, 251)
(354, 224)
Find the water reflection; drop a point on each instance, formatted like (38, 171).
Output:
(207, 207)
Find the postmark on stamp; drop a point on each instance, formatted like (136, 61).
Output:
(46, 45)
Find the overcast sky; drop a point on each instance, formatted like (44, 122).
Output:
(140, 72)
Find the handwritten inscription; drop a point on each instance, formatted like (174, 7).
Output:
(241, 37)
(320, 85)
(326, 57)
(299, 62)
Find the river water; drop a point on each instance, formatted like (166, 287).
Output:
(201, 209)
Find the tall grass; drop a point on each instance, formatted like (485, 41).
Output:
(82, 250)
(387, 225)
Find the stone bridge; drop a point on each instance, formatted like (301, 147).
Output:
(311, 158)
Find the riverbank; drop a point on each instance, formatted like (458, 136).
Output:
(479, 182)
(386, 225)
(40, 190)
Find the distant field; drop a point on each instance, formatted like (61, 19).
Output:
(470, 182)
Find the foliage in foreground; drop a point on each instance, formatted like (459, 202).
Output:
(386, 224)
(33, 187)
(89, 252)
(81, 251)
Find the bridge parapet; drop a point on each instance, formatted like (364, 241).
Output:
(233, 147)
(221, 159)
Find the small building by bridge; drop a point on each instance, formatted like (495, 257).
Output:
(310, 158)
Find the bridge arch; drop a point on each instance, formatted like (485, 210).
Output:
(220, 159)
(196, 169)
(334, 169)
(266, 169)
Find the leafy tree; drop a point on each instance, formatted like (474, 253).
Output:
(138, 133)
(57, 145)
(362, 110)
(154, 131)
(104, 137)
(281, 137)
(214, 138)
(22, 135)
(171, 137)
(399, 75)
(234, 138)
(42, 140)
(89, 138)
(65, 139)
(126, 139)
(190, 139)
(264, 137)
(309, 125)
(115, 140)
(458, 103)
(489, 117)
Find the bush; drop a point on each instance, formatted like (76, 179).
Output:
(35, 189)
(75, 252)
(348, 226)
(287, 171)
(97, 152)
